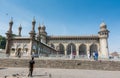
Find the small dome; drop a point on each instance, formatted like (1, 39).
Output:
(33, 21)
(102, 24)
(39, 27)
(20, 27)
(103, 27)
(43, 27)
(11, 21)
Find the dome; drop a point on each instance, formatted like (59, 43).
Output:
(20, 27)
(33, 21)
(39, 27)
(43, 27)
(103, 25)
(11, 21)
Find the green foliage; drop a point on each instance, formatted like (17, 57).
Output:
(14, 35)
(2, 42)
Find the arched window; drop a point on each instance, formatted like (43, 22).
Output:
(93, 48)
(71, 48)
(61, 49)
(82, 49)
(13, 50)
(18, 53)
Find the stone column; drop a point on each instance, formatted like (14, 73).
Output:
(98, 49)
(65, 50)
(31, 46)
(88, 50)
(77, 50)
(104, 48)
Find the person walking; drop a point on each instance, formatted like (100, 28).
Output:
(31, 66)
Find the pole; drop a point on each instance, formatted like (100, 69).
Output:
(71, 55)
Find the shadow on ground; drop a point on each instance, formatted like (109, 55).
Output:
(2, 68)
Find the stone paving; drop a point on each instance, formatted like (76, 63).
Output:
(57, 73)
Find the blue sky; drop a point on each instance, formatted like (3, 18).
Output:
(63, 17)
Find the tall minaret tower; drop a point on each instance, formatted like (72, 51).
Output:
(103, 35)
(32, 35)
(8, 38)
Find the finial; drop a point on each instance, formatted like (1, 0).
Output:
(42, 23)
(20, 27)
(39, 27)
(11, 20)
(103, 23)
(34, 19)
(102, 19)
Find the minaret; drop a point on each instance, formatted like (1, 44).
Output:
(103, 35)
(32, 36)
(38, 35)
(33, 24)
(32, 32)
(43, 34)
(10, 26)
(8, 38)
(19, 30)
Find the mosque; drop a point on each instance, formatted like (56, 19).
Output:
(39, 43)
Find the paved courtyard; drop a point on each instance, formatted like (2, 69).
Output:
(58, 73)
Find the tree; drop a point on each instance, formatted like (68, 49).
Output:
(2, 42)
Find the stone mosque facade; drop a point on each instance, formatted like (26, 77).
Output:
(39, 43)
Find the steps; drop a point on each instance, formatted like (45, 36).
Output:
(65, 64)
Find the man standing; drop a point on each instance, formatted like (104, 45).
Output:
(96, 56)
(31, 66)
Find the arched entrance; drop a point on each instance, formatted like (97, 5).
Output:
(61, 49)
(71, 47)
(18, 54)
(93, 48)
(82, 50)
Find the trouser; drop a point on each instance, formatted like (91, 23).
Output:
(30, 72)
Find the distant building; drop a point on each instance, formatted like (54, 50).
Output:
(40, 43)
(115, 54)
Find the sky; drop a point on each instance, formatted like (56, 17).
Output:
(63, 17)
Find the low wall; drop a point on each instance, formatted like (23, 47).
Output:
(65, 64)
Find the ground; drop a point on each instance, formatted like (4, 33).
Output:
(58, 73)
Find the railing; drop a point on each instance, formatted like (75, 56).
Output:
(58, 57)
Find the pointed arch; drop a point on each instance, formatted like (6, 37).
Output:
(82, 49)
(61, 49)
(18, 53)
(93, 48)
(71, 47)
